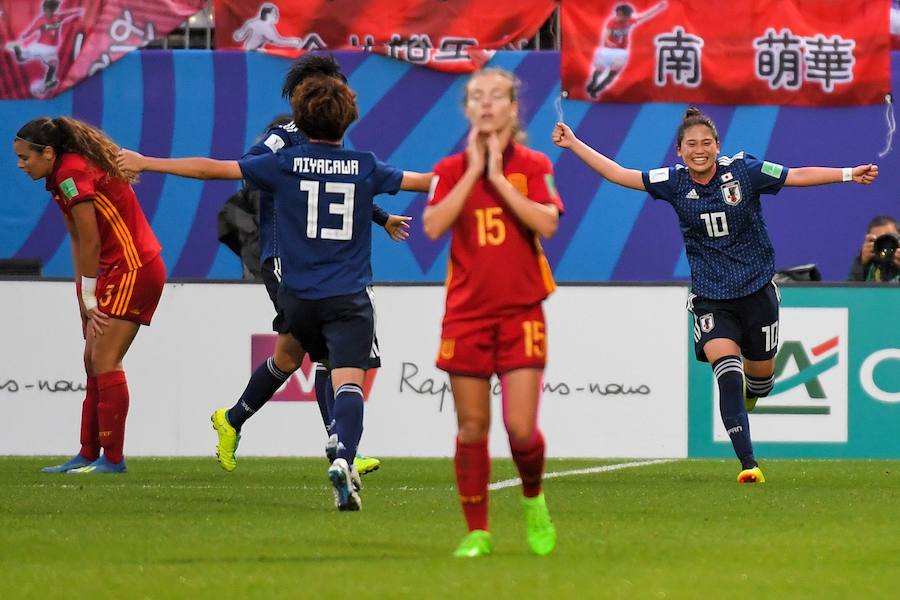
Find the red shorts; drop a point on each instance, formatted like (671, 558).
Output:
(482, 347)
(133, 295)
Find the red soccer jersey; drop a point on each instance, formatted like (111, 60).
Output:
(496, 263)
(617, 31)
(126, 240)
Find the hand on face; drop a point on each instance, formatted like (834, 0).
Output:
(475, 151)
(495, 156)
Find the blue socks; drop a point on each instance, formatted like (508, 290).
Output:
(324, 396)
(348, 420)
(729, 372)
(263, 384)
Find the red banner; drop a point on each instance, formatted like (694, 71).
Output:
(805, 52)
(47, 46)
(455, 36)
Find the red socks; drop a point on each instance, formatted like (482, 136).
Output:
(529, 459)
(473, 471)
(111, 411)
(90, 441)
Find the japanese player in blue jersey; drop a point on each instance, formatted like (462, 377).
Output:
(733, 299)
(268, 377)
(323, 204)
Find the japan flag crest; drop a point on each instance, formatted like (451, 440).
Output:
(731, 193)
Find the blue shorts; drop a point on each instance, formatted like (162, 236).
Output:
(339, 331)
(751, 322)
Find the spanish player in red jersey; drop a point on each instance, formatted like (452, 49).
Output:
(498, 197)
(119, 272)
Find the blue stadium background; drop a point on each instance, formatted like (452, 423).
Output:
(182, 103)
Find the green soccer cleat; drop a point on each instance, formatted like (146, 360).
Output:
(366, 464)
(539, 526)
(476, 543)
(749, 401)
(229, 438)
(754, 475)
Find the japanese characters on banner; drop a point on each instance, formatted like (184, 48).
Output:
(457, 36)
(47, 46)
(804, 52)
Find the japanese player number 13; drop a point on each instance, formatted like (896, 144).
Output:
(344, 208)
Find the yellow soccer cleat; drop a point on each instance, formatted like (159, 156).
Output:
(754, 475)
(229, 438)
(749, 401)
(366, 464)
(476, 543)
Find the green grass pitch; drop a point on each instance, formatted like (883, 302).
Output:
(183, 528)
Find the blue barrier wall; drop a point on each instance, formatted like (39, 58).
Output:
(214, 104)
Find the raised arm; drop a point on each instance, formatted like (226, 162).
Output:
(807, 176)
(608, 168)
(194, 167)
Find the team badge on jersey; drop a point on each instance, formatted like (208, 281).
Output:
(731, 193)
(727, 177)
(707, 322)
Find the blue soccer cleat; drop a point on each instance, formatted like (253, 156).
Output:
(345, 495)
(101, 466)
(75, 462)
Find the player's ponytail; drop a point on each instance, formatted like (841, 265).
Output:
(693, 116)
(65, 134)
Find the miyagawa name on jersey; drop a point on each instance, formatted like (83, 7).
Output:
(326, 166)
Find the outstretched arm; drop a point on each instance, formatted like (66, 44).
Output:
(608, 168)
(807, 176)
(415, 182)
(194, 167)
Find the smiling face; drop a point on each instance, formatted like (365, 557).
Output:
(489, 103)
(36, 164)
(698, 150)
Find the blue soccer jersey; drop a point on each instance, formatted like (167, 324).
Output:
(284, 136)
(276, 138)
(323, 210)
(725, 236)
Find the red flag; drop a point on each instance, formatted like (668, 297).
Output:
(456, 36)
(47, 46)
(805, 52)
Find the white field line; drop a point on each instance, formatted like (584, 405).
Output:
(499, 485)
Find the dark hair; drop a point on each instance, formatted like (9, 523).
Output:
(65, 134)
(278, 122)
(625, 9)
(266, 11)
(882, 220)
(51, 5)
(692, 117)
(309, 65)
(324, 107)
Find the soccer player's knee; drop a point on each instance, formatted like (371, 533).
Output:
(287, 361)
(760, 387)
(473, 430)
(520, 434)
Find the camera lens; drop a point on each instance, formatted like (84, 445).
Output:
(885, 245)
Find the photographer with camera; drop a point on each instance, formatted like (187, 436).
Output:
(879, 258)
